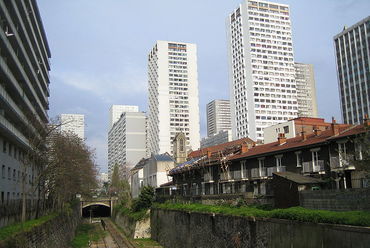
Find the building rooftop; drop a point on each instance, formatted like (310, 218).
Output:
(297, 178)
(163, 157)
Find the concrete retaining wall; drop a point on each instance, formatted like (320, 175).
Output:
(336, 200)
(56, 233)
(132, 228)
(179, 229)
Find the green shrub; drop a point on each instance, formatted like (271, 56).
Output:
(145, 199)
(356, 218)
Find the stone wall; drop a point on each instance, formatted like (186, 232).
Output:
(11, 212)
(179, 229)
(57, 233)
(336, 200)
(132, 228)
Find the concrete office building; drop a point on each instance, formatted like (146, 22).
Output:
(261, 64)
(306, 90)
(218, 116)
(352, 48)
(173, 95)
(216, 139)
(74, 123)
(115, 112)
(127, 142)
(24, 92)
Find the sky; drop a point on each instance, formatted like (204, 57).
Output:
(99, 52)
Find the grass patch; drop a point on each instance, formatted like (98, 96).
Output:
(86, 232)
(137, 216)
(355, 218)
(143, 243)
(9, 231)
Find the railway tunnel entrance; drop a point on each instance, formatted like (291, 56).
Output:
(96, 211)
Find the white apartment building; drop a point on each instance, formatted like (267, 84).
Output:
(74, 123)
(173, 95)
(262, 76)
(156, 168)
(24, 93)
(127, 142)
(218, 116)
(352, 50)
(115, 112)
(216, 139)
(306, 90)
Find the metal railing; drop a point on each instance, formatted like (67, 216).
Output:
(313, 166)
(343, 161)
(271, 170)
(257, 172)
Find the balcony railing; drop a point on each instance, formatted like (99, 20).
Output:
(341, 162)
(208, 177)
(231, 175)
(313, 166)
(271, 170)
(257, 172)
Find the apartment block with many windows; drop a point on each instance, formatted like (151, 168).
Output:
(173, 96)
(24, 92)
(352, 49)
(261, 64)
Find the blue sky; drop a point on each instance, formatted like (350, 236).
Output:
(99, 51)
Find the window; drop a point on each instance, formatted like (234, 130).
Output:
(315, 156)
(3, 171)
(9, 173)
(261, 165)
(286, 129)
(278, 160)
(299, 158)
(4, 146)
(182, 145)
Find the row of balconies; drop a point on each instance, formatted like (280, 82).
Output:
(336, 163)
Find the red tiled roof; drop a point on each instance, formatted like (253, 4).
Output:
(220, 147)
(298, 141)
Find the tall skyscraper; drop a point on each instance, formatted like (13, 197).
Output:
(218, 116)
(127, 141)
(74, 123)
(173, 95)
(352, 48)
(115, 112)
(262, 76)
(306, 90)
(24, 92)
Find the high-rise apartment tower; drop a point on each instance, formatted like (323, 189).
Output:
(127, 142)
(24, 93)
(262, 76)
(74, 123)
(306, 90)
(115, 112)
(173, 95)
(218, 116)
(352, 48)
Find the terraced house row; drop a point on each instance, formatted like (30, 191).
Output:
(242, 167)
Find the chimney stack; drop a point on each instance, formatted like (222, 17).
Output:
(316, 130)
(304, 136)
(334, 127)
(209, 153)
(281, 138)
(366, 121)
(244, 148)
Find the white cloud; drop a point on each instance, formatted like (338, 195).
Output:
(109, 87)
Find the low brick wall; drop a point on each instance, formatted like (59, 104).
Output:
(336, 200)
(132, 228)
(179, 229)
(56, 233)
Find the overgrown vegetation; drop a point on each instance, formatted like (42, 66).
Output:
(86, 233)
(146, 243)
(356, 218)
(10, 231)
(145, 199)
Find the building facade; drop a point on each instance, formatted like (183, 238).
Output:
(216, 139)
(155, 170)
(261, 65)
(306, 90)
(173, 95)
(218, 116)
(115, 112)
(24, 92)
(127, 142)
(352, 48)
(74, 123)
